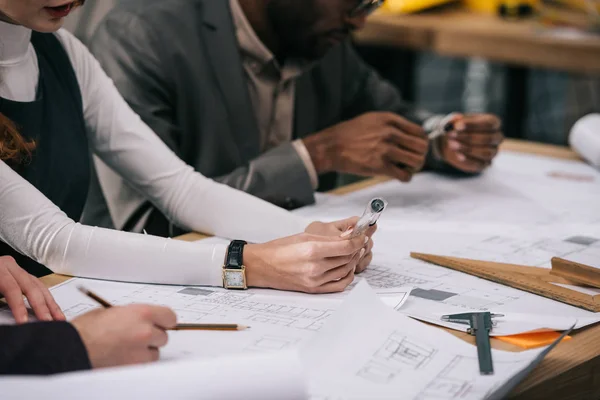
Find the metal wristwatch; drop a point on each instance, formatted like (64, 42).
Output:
(234, 271)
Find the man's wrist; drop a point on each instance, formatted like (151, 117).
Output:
(321, 147)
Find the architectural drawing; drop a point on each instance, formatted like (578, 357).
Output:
(450, 383)
(398, 353)
(78, 309)
(270, 343)
(382, 277)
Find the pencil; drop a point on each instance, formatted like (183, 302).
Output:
(209, 327)
(95, 297)
(178, 327)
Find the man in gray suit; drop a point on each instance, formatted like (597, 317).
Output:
(269, 97)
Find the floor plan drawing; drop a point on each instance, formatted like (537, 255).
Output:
(382, 277)
(397, 353)
(270, 343)
(450, 383)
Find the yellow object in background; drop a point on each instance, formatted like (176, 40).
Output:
(411, 6)
(532, 340)
(492, 6)
(582, 5)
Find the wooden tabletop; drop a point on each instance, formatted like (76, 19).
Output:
(454, 31)
(570, 371)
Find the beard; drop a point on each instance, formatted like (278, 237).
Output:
(293, 22)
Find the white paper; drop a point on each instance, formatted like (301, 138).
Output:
(366, 351)
(260, 377)
(581, 289)
(276, 322)
(589, 256)
(438, 290)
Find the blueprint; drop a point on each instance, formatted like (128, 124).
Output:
(277, 320)
(524, 210)
(395, 357)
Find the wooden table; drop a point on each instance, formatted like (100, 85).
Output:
(570, 371)
(454, 31)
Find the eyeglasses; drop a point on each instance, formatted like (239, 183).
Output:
(366, 7)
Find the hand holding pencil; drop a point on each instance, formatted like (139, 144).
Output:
(177, 327)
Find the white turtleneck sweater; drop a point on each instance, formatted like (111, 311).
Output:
(34, 226)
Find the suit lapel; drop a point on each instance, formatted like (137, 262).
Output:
(224, 56)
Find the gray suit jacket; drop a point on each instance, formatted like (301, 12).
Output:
(178, 65)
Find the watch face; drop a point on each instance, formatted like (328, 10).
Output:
(235, 279)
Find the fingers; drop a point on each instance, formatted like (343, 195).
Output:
(144, 356)
(34, 295)
(402, 174)
(13, 295)
(159, 338)
(337, 286)
(328, 247)
(163, 317)
(340, 272)
(482, 154)
(466, 163)
(478, 123)
(371, 231)
(55, 310)
(397, 155)
(415, 144)
(365, 260)
(28, 286)
(364, 263)
(346, 226)
(493, 139)
(405, 125)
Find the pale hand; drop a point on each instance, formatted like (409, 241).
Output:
(343, 228)
(473, 143)
(15, 283)
(304, 263)
(375, 143)
(124, 335)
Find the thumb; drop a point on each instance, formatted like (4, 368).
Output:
(346, 225)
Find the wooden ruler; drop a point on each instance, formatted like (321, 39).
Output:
(530, 279)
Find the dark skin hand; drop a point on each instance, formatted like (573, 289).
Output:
(376, 143)
(473, 143)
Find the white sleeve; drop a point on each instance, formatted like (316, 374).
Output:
(33, 225)
(189, 199)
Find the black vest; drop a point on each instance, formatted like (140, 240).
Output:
(60, 166)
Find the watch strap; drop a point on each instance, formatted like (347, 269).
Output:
(235, 255)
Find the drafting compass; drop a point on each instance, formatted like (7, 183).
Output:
(480, 325)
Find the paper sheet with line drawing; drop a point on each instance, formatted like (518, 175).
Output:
(438, 291)
(518, 191)
(368, 351)
(278, 322)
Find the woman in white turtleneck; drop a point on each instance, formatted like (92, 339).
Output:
(54, 93)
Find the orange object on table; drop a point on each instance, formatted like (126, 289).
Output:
(532, 340)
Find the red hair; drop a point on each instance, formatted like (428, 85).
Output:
(13, 147)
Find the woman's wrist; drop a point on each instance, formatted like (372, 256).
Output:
(254, 266)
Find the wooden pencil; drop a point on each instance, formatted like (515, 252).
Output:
(178, 327)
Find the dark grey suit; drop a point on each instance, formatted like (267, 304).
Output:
(178, 64)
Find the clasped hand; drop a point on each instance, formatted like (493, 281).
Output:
(321, 260)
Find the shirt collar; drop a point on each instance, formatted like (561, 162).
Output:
(14, 43)
(254, 50)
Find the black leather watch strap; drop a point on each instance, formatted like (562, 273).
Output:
(235, 255)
